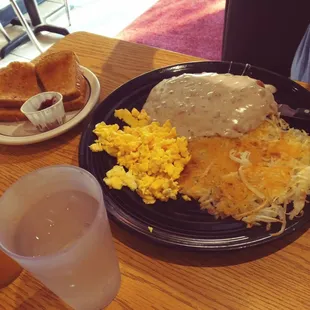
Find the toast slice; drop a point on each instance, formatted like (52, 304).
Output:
(18, 83)
(78, 103)
(60, 72)
(11, 115)
(15, 115)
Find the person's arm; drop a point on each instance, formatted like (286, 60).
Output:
(300, 70)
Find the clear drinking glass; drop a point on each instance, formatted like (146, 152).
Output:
(53, 222)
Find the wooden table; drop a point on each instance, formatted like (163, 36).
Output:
(273, 276)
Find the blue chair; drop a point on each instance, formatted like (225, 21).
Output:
(26, 26)
(36, 26)
(67, 7)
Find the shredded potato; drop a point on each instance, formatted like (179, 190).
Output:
(252, 178)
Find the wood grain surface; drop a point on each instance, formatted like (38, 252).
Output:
(274, 276)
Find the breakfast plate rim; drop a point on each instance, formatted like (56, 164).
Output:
(141, 227)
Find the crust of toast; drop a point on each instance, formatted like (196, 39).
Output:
(60, 72)
(11, 115)
(18, 83)
(15, 115)
(79, 102)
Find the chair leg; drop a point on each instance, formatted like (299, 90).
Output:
(67, 5)
(5, 34)
(26, 26)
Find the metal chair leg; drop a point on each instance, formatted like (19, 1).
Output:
(67, 5)
(5, 34)
(26, 26)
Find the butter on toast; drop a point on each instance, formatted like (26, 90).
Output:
(60, 72)
(18, 83)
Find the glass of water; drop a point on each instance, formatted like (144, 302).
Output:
(53, 222)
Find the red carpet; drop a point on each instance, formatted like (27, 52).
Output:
(193, 27)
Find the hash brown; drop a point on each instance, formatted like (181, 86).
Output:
(252, 178)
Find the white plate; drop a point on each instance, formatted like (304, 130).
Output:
(20, 133)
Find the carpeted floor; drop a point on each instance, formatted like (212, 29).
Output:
(193, 27)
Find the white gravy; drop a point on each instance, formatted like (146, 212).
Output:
(210, 104)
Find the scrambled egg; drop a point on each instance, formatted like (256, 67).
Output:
(153, 155)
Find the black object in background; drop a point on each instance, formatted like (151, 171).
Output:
(264, 33)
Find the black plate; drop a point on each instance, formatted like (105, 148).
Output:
(180, 223)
